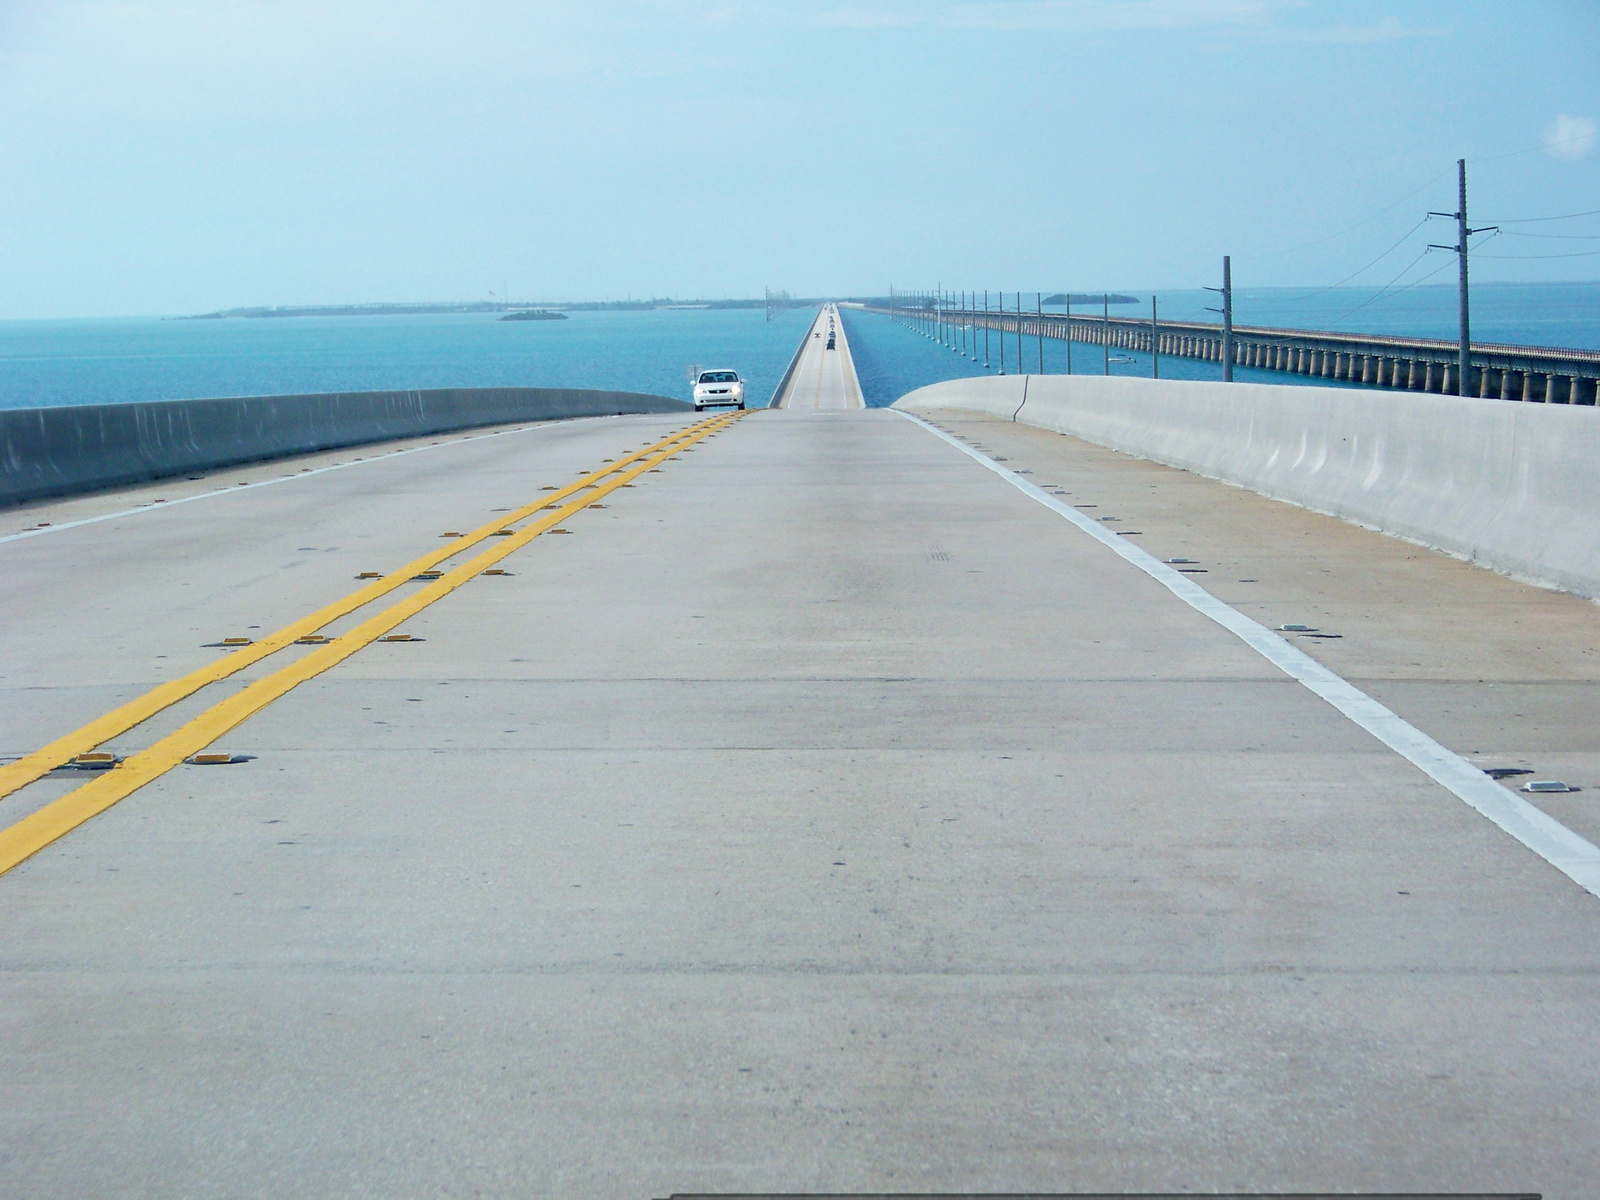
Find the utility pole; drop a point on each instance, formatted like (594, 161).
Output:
(1105, 327)
(1039, 316)
(1019, 333)
(1226, 291)
(1000, 333)
(1463, 232)
(985, 329)
(1155, 341)
(1069, 332)
(1227, 319)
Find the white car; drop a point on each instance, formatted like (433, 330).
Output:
(718, 387)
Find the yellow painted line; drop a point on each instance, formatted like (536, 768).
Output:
(36, 831)
(118, 721)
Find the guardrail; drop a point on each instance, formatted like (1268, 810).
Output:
(78, 448)
(789, 374)
(1509, 486)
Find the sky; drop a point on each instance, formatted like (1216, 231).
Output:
(179, 156)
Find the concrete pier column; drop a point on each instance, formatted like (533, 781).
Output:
(1505, 385)
(1411, 375)
(1329, 361)
(1427, 380)
(1445, 386)
(1483, 383)
(1369, 373)
(1528, 394)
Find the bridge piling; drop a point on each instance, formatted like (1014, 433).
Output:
(1537, 374)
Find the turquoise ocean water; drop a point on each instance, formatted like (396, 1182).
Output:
(102, 362)
(110, 361)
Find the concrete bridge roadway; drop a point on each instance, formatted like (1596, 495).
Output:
(823, 379)
(811, 810)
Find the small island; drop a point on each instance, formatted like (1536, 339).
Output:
(1061, 298)
(535, 314)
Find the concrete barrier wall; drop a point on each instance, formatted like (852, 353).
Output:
(60, 451)
(1515, 487)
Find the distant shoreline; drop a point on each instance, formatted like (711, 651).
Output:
(476, 306)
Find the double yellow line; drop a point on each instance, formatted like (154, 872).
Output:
(38, 830)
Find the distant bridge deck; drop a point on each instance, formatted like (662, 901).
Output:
(805, 807)
(1538, 374)
(821, 379)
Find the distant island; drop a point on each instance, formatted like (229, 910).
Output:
(1086, 298)
(349, 310)
(514, 312)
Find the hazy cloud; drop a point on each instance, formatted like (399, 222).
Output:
(1263, 18)
(1063, 15)
(1570, 137)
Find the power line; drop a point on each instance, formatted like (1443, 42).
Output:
(1574, 254)
(1358, 224)
(1593, 212)
(1381, 292)
(1403, 238)
(1545, 145)
(1559, 237)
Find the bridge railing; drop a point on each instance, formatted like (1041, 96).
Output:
(1507, 372)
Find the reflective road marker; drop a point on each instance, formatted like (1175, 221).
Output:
(1552, 841)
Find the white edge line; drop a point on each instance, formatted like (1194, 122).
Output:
(151, 506)
(1552, 841)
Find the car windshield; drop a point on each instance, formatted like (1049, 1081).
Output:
(719, 377)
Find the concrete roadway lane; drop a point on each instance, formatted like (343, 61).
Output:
(823, 379)
(820, 815)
